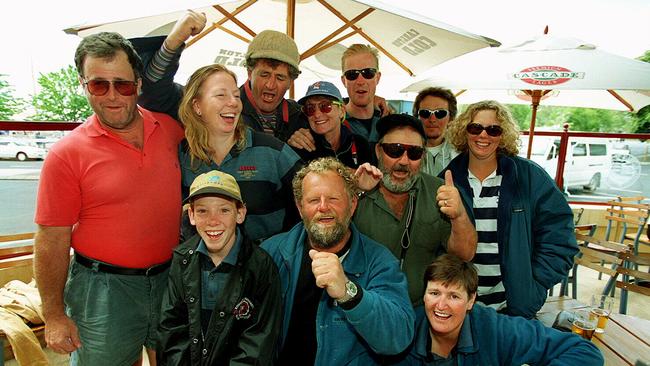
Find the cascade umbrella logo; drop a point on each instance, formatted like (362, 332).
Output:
(547, 75)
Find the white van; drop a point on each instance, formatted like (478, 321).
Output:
(588, 160)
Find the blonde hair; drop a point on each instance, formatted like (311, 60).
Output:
(509, 144)
(358, 48)
(196, 132)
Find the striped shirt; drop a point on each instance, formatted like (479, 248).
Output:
(491, 291)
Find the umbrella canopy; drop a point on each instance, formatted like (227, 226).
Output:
(547, 69)
(409, 43)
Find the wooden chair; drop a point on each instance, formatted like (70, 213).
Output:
(593, 254)
(632, 279)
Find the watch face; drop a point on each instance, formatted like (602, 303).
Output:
(351, 289)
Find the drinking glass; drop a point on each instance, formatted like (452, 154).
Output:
(601, 307)
(583, 324)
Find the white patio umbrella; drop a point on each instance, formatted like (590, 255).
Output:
(547, 69)
(409, 43)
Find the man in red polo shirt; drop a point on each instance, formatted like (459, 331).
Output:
(111, 191)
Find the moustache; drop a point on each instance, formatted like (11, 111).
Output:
(401, 168)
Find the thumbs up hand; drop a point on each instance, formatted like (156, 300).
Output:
(448, 198)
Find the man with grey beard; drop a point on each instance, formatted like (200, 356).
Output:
(345, 298)
(415, 215)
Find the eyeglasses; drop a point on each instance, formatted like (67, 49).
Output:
(396, 151)
(353, 74)
(438, 113)
(101, 87)
(492, 130)
(324, 106)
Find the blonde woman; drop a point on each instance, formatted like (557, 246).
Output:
(524, 224)
(216, 139)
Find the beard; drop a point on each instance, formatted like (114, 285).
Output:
(327, 237)
(397, 187)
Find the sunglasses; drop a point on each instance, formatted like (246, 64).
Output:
(353, 74)
(324, 106)
(101, 87)
(396, 151)
(492, 130)
(438, 113)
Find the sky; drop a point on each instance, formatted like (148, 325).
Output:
(34, 41)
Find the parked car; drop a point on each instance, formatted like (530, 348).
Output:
(20, 150)
(588, 160)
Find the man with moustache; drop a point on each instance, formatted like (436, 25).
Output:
(415, 215)
(110, 190)
(436, 107)
(272, 60)
(345, 299)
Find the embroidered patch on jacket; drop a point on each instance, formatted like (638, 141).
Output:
(243, 309)
(247, 171)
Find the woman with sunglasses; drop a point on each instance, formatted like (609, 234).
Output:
(323, 106)
(524, 223)
(216, 139)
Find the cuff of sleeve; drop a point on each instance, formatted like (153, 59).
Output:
(349, 305)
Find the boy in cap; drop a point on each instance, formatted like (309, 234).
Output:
(223, 301)
(325, 111)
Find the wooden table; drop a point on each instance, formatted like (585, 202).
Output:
(626, 338)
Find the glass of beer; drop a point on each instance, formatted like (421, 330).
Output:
(601, 307)
(583, 324)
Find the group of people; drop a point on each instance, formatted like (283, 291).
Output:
(313, 232)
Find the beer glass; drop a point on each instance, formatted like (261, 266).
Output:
(601, 307)
(583, 324)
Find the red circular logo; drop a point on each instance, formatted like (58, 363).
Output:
(544, 75)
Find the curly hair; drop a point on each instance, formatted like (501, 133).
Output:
(441, 93)
(452, 270)
(509, 143)
(196, 132)
(320, 166)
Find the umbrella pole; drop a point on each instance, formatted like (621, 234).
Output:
(291, 27)
(536, 96)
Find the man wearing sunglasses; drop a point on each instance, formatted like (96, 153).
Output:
(436, 107)
(415, 215)
(272, 60)
(360, 67)
(110, 190)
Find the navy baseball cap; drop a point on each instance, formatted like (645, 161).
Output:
(324, 88)
(391, 121)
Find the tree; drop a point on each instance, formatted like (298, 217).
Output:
(9, 104)
(60, 98)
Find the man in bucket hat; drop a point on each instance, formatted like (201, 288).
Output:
(223, 301)
(272, 60)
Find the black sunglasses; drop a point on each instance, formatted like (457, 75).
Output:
(101, 87)
(396, 151)
(492, 130)
(324, 106)
(438, 113)
(353, 74)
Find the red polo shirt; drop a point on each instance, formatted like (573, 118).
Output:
(124, 204)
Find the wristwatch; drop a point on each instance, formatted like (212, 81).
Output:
(350, 292)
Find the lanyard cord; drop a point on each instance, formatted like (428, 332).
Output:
(405, 241)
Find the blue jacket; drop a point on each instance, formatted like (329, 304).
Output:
(535, 230)
(381, 324)
(488, 338)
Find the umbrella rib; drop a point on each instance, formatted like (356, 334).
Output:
(227, 16)
(621, 99)
(312, 51)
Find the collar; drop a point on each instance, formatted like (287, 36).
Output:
(231, 257)
(249, 95)
(422, 344)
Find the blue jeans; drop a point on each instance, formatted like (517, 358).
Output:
(115, 314)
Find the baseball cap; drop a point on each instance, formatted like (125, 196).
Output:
(214, 182)
(324, 88)
(391, 121)
(276, 46)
